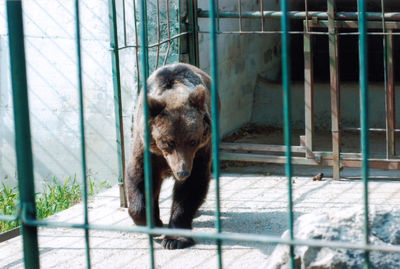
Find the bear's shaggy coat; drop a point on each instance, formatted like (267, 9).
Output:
(180, 126)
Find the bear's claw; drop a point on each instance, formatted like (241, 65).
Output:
(172, 242)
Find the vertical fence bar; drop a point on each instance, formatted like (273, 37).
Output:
(308, 93)
(240, 14)
(22, 131)
(158, 32)
(389, 138)
(335, 88)
(215, 120)
(119, 124)
(262, 15)
(147, 155)
(286, 117)
(307, 21)
(390, 103)
(124, 21)
(363, 61)
(136, 48)
(82, 129)
(193, 32)
(169, 33)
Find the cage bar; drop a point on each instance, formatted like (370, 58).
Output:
(82, 131)
(23, 144)
(287, 118)
(335, 88)
(193, 32)
(215, 121)
(363, 58)
(119, 124)
(320, 15)
(308, 93)
(390, 96)
(147, 155)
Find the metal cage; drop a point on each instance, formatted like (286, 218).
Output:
(315, 23)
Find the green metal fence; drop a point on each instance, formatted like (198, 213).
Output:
(26, 213)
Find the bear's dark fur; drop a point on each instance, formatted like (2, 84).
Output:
(180, 126)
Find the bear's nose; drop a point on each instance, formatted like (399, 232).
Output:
(183, 173)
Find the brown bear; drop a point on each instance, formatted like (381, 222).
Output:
(180, 127)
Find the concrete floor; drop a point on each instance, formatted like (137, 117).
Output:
(254, 200)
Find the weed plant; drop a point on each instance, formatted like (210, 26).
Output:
(56, 197)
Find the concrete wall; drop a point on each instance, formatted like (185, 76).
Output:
(53, 98)
(267, 108)
(52, 82)
(241, 58)
(247, 64)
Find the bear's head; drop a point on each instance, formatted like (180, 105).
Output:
(179, 128)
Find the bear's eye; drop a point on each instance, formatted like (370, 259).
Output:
(193, 143)
(171, 144)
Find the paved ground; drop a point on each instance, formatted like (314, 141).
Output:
(254, 200)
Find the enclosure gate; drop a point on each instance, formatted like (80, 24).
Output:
(26, 213)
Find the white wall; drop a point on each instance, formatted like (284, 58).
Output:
(52, 81)
(53, 98)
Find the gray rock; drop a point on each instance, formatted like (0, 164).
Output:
(345, 225)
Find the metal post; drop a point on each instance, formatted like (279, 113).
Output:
(119, 124)
(335, 88)
(364, 115)
(193, 33)
(22, 131)
(215, 119)
(286, 76)
(390, 98)
(308, 94)
(82, 131)
(147, 155)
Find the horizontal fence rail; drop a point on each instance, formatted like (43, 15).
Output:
(301, 15)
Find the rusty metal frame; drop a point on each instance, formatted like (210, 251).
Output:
(305, 153)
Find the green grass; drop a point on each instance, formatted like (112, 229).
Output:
(55, 198)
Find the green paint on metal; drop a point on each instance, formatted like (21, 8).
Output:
(82, 130)
(9, 217)
(245, 237)
(119, 124)
(147, 155)
(286, 116)
(363, 57)
(22, 131)
(215, 120)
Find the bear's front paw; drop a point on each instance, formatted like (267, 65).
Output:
(176, 242)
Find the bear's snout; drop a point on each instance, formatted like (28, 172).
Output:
(183, 174)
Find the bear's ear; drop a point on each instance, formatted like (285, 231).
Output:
(155, 106)
(198, 96)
